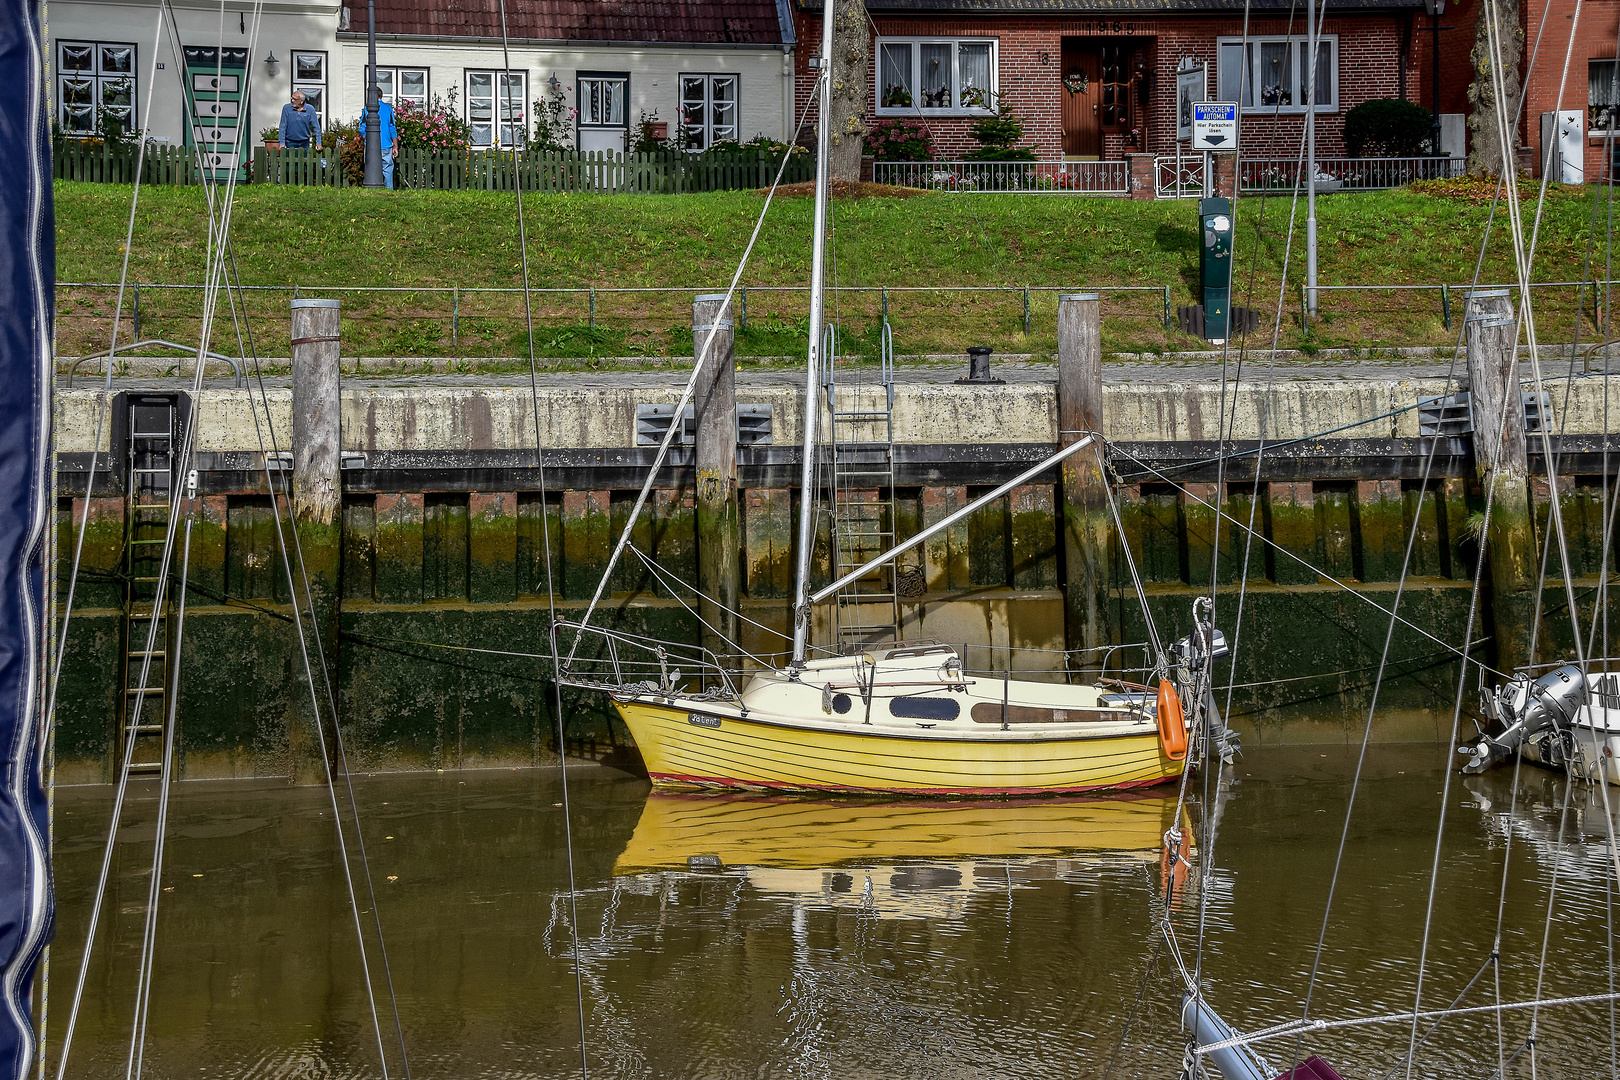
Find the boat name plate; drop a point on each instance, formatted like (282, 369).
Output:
(703, 721)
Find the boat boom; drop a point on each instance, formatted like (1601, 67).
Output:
(950, 519)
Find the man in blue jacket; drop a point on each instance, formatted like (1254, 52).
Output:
(390, 138)
(300, 123)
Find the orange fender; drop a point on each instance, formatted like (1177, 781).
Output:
(1172, 724)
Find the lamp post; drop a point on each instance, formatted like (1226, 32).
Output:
(374, 165)
(1435, 8)
(1310, 155)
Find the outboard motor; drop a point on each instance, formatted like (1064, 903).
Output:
(1522, 711)
(1195, 656)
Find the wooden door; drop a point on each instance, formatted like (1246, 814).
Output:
(1082, 130)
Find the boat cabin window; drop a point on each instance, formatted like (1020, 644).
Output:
(925, 708)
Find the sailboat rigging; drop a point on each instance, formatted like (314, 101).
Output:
(893, 717)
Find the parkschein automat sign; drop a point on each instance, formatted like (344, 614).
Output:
(1215, 125)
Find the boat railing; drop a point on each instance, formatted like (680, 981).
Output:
(625, 661)
(1092, 665)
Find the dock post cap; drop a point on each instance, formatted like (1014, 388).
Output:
(1066, 297)
(303, 303)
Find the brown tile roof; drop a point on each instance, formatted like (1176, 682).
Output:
(1088, 7)
(739, 22)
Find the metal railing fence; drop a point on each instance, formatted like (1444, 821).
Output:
(490, 317)
(1037, 177)
(472, 307)
(1257, 175)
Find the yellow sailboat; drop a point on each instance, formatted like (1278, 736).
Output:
(893, 719)
(901, 720)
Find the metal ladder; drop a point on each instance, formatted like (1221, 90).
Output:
(861, 437)
(150, 482)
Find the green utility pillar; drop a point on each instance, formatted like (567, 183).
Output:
(1215, 266)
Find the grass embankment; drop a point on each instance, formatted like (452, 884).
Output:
(320, 238)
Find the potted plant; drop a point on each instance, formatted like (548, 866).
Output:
(271, 137)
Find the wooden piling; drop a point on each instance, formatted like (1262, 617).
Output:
(317, 485)
(715, 402)
(1086, 522)
(1502, 468)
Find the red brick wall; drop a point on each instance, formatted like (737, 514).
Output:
(1594, 39)
(1456, 70)
(1370, 47)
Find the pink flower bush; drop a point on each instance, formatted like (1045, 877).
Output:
(437, 127)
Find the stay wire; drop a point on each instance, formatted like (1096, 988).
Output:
(1279, 549)
(702, 356)
(1526, 323)
(154, 891)
(104, 408)
(211, 285)
(229, 270)
(103, 411)
(545, 538)
(1383, 661)
(326, 676)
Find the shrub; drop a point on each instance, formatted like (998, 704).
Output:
(438, 126)
(553, 120)
(900, 140)
(352, 158)
(1388, 127)
(997, 136)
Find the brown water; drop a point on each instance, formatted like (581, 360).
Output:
(769, 938)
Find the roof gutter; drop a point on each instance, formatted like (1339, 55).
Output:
(562, 43)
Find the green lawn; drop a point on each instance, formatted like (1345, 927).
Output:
(319, 238)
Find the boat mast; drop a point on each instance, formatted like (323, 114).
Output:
(812, 407)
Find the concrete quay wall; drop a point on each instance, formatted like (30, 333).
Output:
(445, 527)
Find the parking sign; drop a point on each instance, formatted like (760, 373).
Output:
(1215, 125)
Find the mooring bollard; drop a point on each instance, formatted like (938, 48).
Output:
(1503, 467)
(1086, 525)
(317, 484)
(715, 403)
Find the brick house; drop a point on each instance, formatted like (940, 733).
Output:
(1590, 87)
(1096, 79)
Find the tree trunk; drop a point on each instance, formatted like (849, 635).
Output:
(1486, 155)
(852, 54)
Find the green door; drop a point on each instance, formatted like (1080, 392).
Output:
(216, 98)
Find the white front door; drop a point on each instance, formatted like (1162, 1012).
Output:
(607, 140)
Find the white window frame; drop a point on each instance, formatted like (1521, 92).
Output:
(318, 85)
(1327, 97)
(1613, 104)
(98, 81)
(507, 110)
(581, 81)
(394, 97)
(707, 131)
(956, 108)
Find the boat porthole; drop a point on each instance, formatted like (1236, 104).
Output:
(840, 703)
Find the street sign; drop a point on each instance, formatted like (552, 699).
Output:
(1215, 125)
(1191, 86)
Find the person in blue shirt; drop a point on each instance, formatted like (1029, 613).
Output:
(300, 123)
(390, 138)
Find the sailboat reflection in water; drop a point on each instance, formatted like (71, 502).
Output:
(898, 860)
